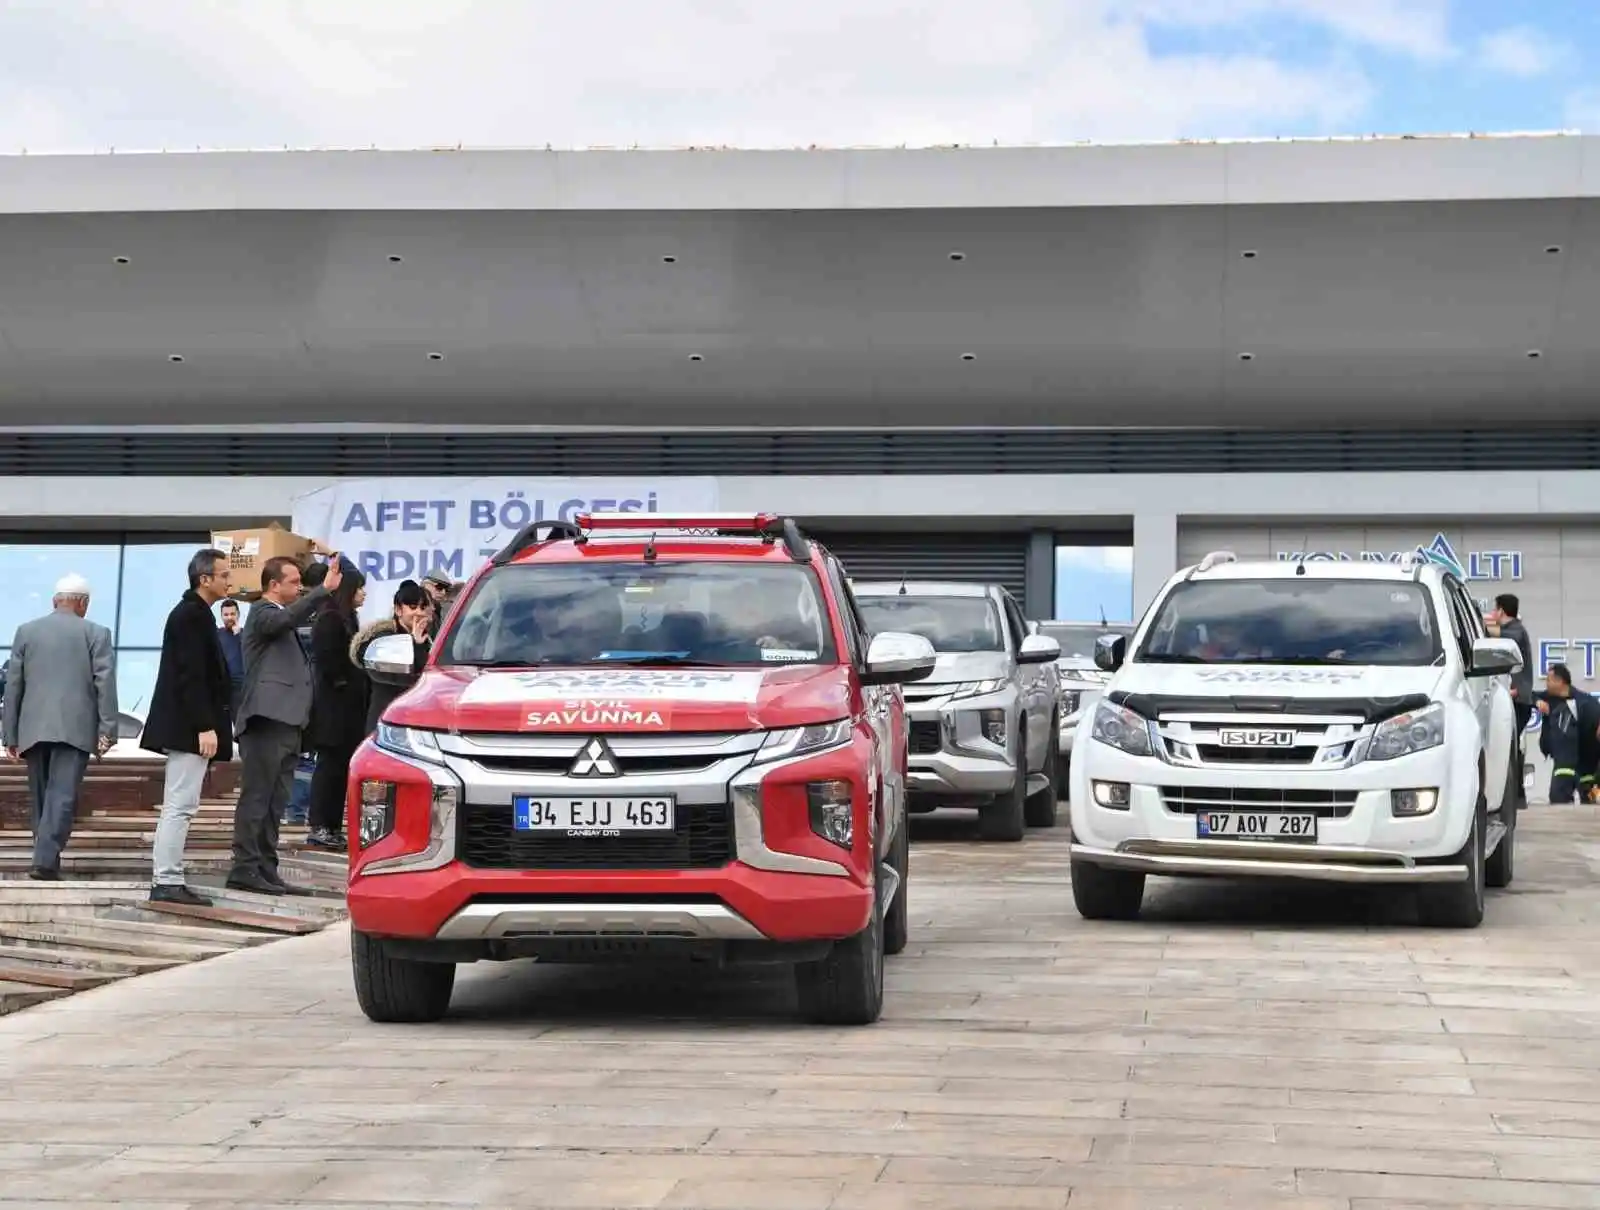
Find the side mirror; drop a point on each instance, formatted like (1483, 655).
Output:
(1038, 649)
(388, 659)
(896, 659)
(1494, 657)
(1110, 652)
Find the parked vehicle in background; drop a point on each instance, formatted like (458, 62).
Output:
(1082, 681)
(984, 726)
(637, 737)
(1337, 722)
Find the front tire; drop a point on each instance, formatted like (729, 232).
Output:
(1005, 819)
(1040, 811)
(1105, 894)
(1459, 905)
(846, 987)
(394, 990)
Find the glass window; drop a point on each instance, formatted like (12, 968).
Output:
(1094, 582)
(136, 680)
(1295, 621)
(153, 578)
(949, 623)
(30, 572)
(683, 613)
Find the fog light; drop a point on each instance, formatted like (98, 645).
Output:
(832, 811)
(1113, 794)
(1413, 802)
(377, 812)
(993, 725)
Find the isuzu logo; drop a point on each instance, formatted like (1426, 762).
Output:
(1238, 738)
(594, 760)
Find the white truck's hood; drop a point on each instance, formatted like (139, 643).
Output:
(1274, 681)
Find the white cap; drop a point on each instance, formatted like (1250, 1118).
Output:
(72, 585)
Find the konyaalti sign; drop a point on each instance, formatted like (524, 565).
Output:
(1477, 565)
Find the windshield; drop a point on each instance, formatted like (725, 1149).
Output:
(951, 624)
(1294, 621)
(701, 613)
(1077, 642)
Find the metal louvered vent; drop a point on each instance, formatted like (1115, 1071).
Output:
(860, 452)
(1000, 558)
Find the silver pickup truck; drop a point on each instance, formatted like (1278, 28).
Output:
(984, 728)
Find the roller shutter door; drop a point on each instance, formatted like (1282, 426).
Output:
(999, 558)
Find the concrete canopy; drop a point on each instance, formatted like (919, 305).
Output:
(1281, 285)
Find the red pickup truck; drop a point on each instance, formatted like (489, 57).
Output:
(639, 736)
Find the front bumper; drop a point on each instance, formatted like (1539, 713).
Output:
(1359, 838)
(459, 903)
(1258, 859)
(967, 765)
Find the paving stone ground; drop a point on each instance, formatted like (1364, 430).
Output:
(1314, 1051)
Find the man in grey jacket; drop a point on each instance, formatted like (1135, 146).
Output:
(274, 707)
(60, 707)
(1507, 625)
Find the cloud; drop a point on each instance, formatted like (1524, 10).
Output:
(1418, 28)
(87, 74)
(1519, 51)
(1117, 559)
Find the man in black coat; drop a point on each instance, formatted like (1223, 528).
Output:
(189, 718)
(1568, 734)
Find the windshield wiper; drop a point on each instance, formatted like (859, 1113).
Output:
(502, 663)
(1313, 661)
(1172, 657)
(677, 659)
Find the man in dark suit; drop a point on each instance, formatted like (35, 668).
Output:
(60, 707)
(273, 711)
(189, 720)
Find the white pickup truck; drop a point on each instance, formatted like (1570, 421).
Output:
(1346, 722)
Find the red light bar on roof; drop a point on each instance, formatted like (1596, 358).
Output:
(750, 523)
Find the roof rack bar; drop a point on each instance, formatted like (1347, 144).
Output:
(1212, 559)
(528, 536)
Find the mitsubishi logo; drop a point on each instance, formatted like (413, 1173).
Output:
(594, 759)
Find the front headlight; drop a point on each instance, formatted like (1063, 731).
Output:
(803, 741)
(1122, 729)
(975, 688)
(410, 741)
(1414, 732)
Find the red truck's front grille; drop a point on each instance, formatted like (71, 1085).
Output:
(487, 840)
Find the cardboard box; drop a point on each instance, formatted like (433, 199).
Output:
(249, 549)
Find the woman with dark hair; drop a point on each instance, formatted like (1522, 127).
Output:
(338, 708)
(413, 615)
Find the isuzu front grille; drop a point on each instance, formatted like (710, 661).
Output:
(1191, 800)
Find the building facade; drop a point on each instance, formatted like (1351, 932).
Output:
(1068, 370)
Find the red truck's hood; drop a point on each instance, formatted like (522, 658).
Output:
(623, 699)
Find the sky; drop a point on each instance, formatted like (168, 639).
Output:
(1094, 580)
(85, 75)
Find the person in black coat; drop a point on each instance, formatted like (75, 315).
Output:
(413, 614)
(1568, 735)
(338, 708)
(189, 720)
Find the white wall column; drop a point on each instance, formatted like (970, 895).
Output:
(1155, 555)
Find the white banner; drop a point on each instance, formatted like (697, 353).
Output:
(402, 528)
